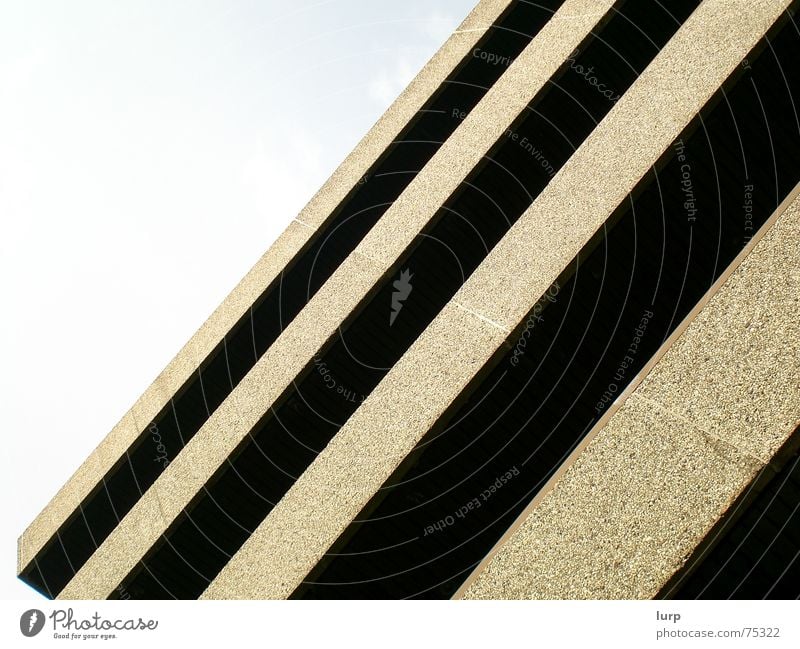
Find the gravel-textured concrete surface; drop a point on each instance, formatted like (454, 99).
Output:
(744, 351)
(583, 194)
(710, 414)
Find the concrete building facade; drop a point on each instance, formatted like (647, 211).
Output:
(537, 337)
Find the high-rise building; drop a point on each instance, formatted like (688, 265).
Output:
(537, 337)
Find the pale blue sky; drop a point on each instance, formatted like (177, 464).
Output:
(150, 151)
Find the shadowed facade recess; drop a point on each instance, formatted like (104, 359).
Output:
(471, 367)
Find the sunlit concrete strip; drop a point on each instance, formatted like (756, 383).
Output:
(297, 234)
(371, 261)
(653, 480)
(495, 300)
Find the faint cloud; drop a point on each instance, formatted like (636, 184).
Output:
(284, 171)
(391, 81)
(438, 26)
(19, 71)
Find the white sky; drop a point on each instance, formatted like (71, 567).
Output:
(150, 152)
